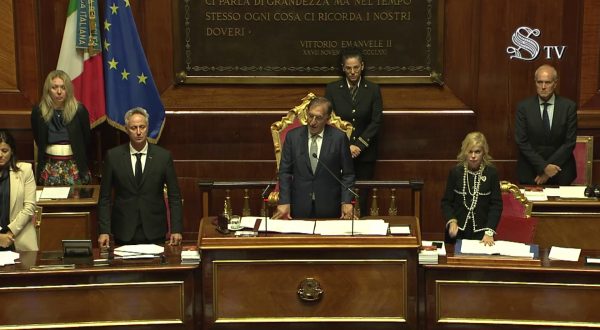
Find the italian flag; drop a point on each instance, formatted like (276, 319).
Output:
(83, 65)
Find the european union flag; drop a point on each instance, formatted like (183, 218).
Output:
(127, 77)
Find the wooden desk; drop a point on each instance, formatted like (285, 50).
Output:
(568, 223)
(137, 294)
(71, 218)
(563, 295)
(368, 282)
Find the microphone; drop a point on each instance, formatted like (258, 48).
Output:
(314, 155)
(264, 193)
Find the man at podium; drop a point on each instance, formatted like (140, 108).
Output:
(316, 171)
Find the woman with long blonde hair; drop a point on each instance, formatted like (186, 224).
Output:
(61, 130)
(472, 203)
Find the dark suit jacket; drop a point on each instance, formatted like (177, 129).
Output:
(536, 150)
(365, 114)
(130, 200)
(79, 134)
(297, 182)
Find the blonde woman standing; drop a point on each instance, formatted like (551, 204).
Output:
(61, 129)
(472, 203)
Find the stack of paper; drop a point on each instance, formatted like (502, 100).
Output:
(503, 248)
(190, 257)
(565, 254)
(428, 256)
(139, 251)
(8, 257)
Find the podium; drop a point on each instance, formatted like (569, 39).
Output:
(313, 282)
(72, 218)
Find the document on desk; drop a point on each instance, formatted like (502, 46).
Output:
(8, 257)
(535, 196)
(288, 226)
(565, 254)
(280, 226)
(141, 250)
(503, 248)
(55, 193)
(554, 192)
(344, 227)
(571, 191)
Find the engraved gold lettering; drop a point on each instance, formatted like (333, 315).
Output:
(225, 32)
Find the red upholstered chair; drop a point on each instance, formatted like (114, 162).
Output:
(584, 156)
(294, 118)
(516, 223)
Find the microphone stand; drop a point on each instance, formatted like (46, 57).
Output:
(265, 199)
(314, 155)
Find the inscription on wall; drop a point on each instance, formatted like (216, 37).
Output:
(283, 41)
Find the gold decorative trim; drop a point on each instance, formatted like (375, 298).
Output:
(90, 324)
(565, 214)
(311, 319)
(312, 246)
(450, 320)
(216, 263)
(508, 187)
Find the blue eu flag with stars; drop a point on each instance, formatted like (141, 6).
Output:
(127, 77)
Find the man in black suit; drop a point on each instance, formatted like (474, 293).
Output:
(358, 101)
(137, 172)
(546, 132)
(307, 189)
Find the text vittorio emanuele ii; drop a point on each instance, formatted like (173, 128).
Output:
(386, 12)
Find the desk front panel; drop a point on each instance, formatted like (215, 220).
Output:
(527, 298)
(136, 295)
(568, 229)
(360, 289)
(267, 290)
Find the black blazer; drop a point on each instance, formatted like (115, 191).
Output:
(120, 216)
(79, 134)
(365, 114)
(489, 203)
(536, 150)
(297, 182)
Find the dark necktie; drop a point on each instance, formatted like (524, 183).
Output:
(313, 151)
(138, 168)
(546, 118)
(353, 92)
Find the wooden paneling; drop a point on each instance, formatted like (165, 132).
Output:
(221, 131)
(19, 60)
(8, 76)
(512, 303)
(268, 290)
(156, 303)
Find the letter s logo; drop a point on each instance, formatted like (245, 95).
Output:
(521, 39)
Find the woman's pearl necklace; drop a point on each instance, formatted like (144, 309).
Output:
(474, 194)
